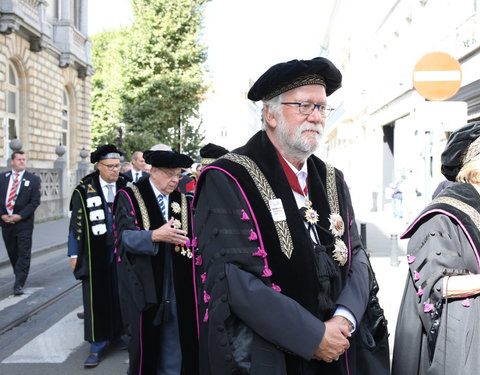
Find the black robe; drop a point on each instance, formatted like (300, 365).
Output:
(434, 337)
(141, 266)
(95, 266)
(247, 326)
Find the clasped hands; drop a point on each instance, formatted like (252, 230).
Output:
(167, 233)
(335, 339)
(11, 219)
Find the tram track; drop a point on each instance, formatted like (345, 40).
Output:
(23, 318)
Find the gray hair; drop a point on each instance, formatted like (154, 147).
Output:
(273, 107)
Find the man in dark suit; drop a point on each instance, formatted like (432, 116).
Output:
(19, 197)
(138, 166)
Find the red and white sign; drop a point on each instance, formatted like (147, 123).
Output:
(437, 76)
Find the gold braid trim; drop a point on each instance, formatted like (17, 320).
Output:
(207, 161)
(332, 190)
(143, 208)
(310, 79)
(266, 191)
(184, 212)
(462, 206)
(471, 152)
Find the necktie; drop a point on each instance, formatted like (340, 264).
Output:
(110, 195)
(136, 176)
(12, 194)
(162, 205)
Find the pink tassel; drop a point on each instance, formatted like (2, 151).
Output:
(194, 242)
(420, 291)
(466, 302)
(138, 228)
(115, 250)
(260, 253)
(205, 318)
(132, 213)
(410, 259)
(114, 227)
(244, 216)
(206, 297)
(276, 287)
(428, 307)
(198, 260)
(253, 235)
(204, 277)
(267, 272)
(188, 243)
(416, 276)
(115, 233)
(119, 259)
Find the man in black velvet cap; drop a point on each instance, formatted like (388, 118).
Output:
(91, 249)
(437, 323)
(154, 243)
(284, 278)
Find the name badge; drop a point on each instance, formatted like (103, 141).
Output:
(276, 208)
(27, 183)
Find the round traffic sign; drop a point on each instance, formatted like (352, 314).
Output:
(437, 76)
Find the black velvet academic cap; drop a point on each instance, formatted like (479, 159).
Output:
(104, 152)
(458, 150)
(167, 159)
(295, 73)
(211, 152)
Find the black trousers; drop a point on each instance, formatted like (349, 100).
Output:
(19, 248)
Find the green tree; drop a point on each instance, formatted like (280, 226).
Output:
(164, 72)
(107, 84)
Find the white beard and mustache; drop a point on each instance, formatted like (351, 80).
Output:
(296, 144)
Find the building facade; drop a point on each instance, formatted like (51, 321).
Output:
(45, 92)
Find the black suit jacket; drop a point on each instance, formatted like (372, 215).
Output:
(130, 176)
(27, 201)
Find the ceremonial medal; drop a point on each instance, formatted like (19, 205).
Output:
(311, 216)
(177, 248)
(337, 227)
(176, 224)
(176, 207)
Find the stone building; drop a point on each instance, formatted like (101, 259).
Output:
(45, 93)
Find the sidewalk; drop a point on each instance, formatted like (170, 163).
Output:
(46, 236)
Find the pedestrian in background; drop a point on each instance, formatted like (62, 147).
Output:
(19, 198)
(437, 328)
(91, 249)
(138, 167)
(154, 257)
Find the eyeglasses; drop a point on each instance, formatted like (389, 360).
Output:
(307, 109)
(111, 167)
(171, 174)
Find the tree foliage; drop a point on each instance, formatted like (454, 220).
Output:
(151, 77)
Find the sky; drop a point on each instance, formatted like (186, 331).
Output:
(244, 37)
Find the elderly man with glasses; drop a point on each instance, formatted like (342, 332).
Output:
(284, 280)
(153, 227)
(91, 249)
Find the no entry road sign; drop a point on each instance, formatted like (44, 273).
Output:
(437, 76)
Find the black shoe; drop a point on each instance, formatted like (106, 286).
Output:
(17, 291)
(93, 359)
(81, 315)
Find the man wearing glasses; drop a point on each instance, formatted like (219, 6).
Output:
(92, 251)
(154, 241)
(284, 278)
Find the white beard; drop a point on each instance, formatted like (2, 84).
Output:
(298, 145)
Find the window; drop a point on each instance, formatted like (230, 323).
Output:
(65, 121)
(76, 11)
(12, 115)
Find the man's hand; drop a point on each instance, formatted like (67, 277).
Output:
(166, 233)
(11, 219)
(334, 341)
(73, 263)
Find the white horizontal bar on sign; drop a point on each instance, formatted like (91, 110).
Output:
(437, 75)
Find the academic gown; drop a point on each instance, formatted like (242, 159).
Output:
(261, 312)
(433, 337)
(156, 290)
(91, 233)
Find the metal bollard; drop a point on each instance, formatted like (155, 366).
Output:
(394, 250)
(363, 234)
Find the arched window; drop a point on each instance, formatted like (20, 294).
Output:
(65, 122)
(12, 116)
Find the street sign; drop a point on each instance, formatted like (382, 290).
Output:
(437, 76)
